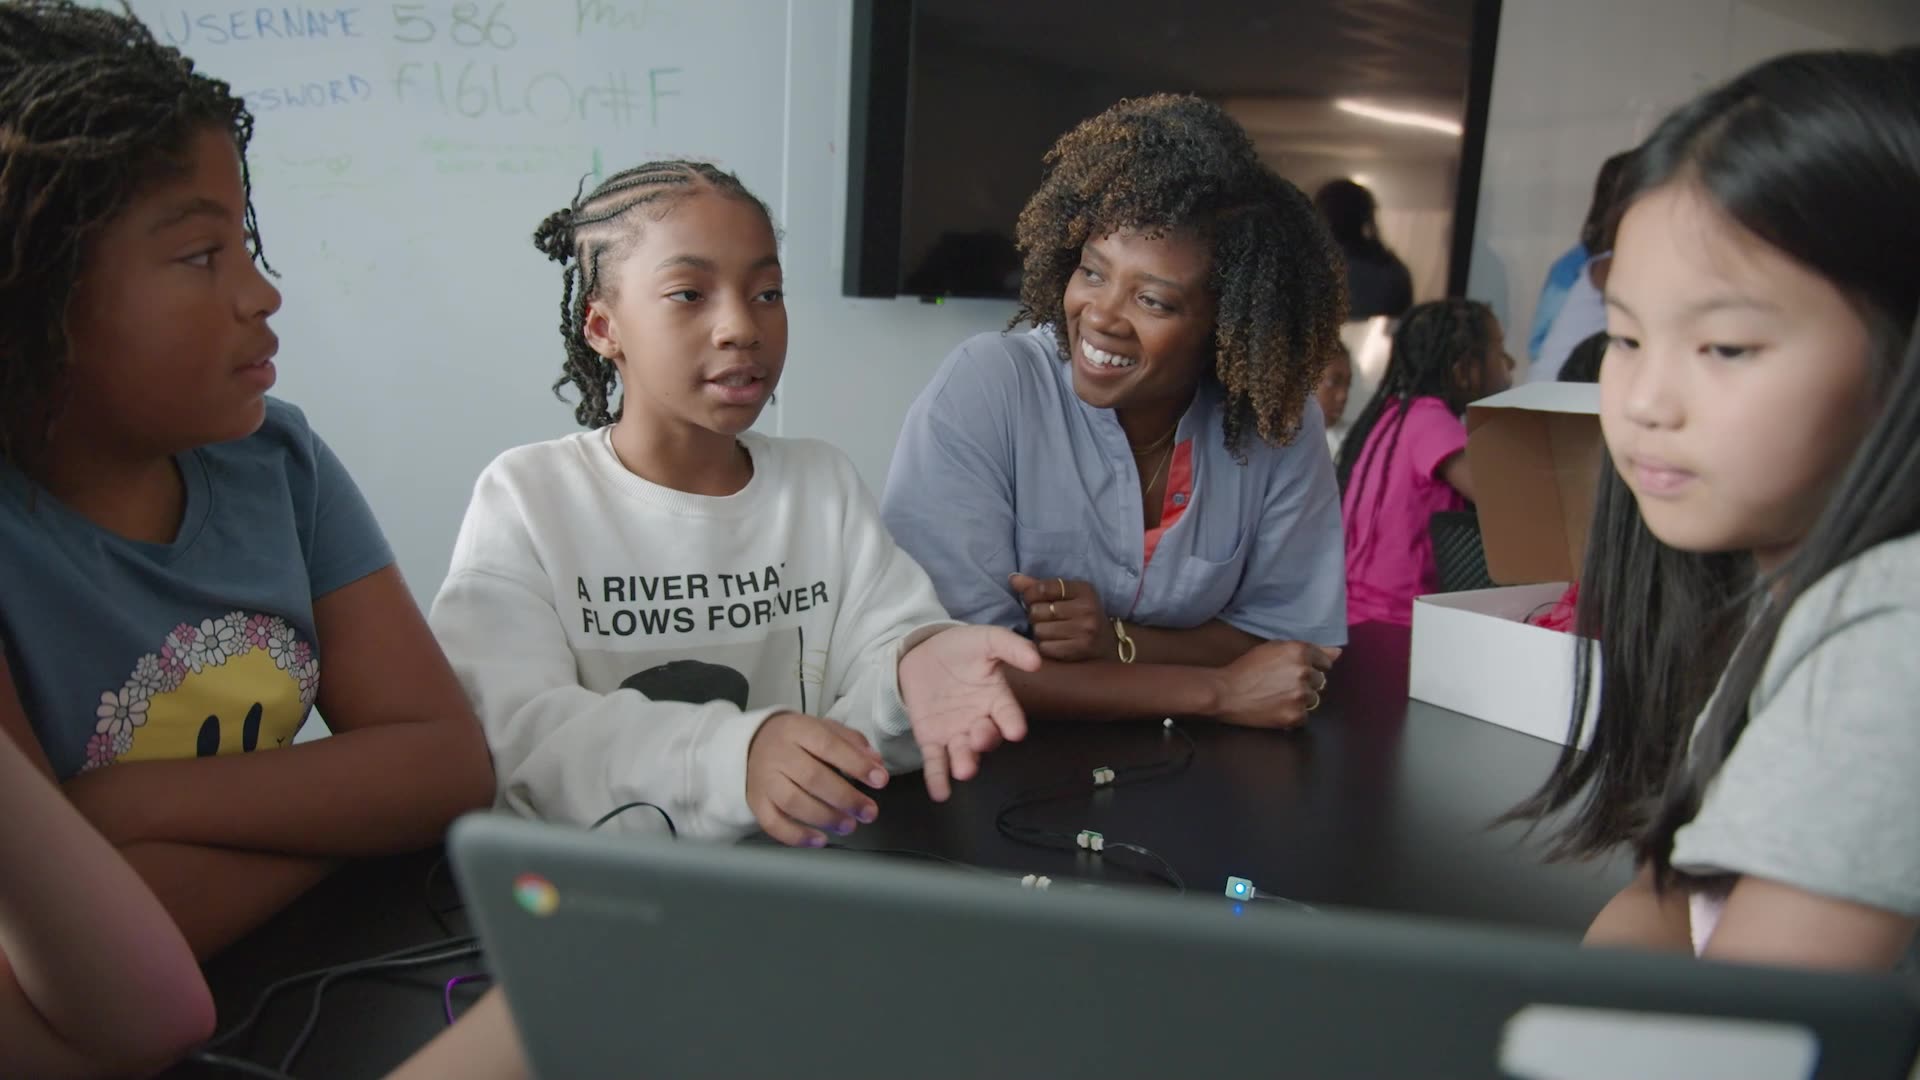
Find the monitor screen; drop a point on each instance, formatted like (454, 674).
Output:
(956, 103)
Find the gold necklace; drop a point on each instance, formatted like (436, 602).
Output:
(1167, 457)
(1143, 451)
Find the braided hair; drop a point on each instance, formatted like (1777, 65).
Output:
(1168, 162)
(1430, 345)
(93, 111)
(587, 237)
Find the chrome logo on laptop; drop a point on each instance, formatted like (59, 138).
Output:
(536, 895)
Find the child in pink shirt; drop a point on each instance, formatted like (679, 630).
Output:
(1405, 459)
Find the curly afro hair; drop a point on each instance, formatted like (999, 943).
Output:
(1170, 162)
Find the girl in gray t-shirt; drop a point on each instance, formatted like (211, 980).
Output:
(1753, 576)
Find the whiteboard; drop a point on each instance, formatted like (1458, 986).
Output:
(402, 155)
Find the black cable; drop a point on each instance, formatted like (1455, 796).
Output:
(439, 913)
(1166, 868)
(1158, 867)
(273, 990)
(402, 958)
(348, 971)
(1035, 836)
(1166, 871)
(457, 949)
(1123, 776)
(624, 807)
(239, 1065)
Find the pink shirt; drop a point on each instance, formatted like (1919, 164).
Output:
(1394, 490)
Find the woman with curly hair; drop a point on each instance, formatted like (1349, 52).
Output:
(1140, 480)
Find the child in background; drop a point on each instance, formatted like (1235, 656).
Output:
(1583, 363)
(1335, 381)
(1405, 459)
(186, 570)
(669, 609)
(1753, 577)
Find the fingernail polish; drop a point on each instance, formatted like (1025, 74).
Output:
(844, 828)
(816, 841)
(866, 815)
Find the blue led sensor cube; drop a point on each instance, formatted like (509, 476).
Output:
(1239, 888)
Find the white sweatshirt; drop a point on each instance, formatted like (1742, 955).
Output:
(623, 641)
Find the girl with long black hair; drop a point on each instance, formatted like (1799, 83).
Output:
(1753, 576)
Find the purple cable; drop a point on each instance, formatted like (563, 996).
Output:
(446, 993)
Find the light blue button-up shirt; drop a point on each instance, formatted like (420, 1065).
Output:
(1002, 468)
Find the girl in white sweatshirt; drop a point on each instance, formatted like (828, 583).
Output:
(670, 609)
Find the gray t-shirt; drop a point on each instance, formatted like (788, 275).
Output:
(1820, 792)
(128, 651)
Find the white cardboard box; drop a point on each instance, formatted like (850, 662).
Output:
(1536, 453)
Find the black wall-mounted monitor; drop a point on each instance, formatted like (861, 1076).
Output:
(956, 102)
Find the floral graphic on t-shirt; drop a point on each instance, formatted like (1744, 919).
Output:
(147, 676)
(280, 641)
(122, 712)
(190, 651)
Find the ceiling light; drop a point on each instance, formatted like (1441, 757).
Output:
(1398, 116)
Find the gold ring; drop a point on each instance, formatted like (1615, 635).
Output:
(1316, 701)
(1062, 582)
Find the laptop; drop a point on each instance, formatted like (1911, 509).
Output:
(640, 957)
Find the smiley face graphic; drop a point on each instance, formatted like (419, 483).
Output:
(237, 684)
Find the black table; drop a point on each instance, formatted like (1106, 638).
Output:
(1380, 803)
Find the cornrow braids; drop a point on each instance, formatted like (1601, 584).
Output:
(1171, 161)
(587, 236)
(93, 111)
(1429, 346)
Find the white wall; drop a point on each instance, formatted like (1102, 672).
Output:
(1575, 81)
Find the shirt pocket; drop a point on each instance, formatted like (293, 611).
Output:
(1202, 588)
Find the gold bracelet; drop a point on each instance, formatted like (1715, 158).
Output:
(1128, 650)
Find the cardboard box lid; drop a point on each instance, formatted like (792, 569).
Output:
(1536, 454)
